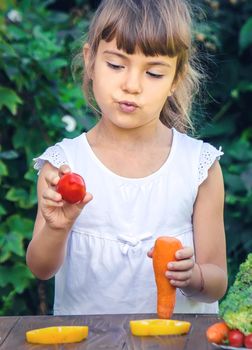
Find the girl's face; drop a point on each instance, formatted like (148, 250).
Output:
(130, 90)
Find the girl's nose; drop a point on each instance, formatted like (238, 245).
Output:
(132, 83)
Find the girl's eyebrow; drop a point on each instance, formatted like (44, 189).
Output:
(151, 63)
(111, 52)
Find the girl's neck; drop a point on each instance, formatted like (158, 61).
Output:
(131, 153)
(127, 139)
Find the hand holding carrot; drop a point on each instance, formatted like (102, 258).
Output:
(179, 272)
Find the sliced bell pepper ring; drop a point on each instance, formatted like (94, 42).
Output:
(57, 335)
(159, 327)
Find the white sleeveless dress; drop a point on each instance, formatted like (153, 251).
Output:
(106, 269)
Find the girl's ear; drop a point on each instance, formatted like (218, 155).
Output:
(86, 49)
(86, 57)
(173, 88)
(178, 79)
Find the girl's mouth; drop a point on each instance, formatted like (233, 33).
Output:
(127, 106)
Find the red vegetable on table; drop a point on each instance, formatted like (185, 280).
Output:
(248, 341)
(236, 338)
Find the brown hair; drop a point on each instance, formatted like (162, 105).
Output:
(156, 27)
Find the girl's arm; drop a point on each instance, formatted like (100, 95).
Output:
(55, 217)
(209, 242)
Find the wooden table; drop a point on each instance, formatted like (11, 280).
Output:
(105, 332)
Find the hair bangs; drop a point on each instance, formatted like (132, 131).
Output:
(148, 35)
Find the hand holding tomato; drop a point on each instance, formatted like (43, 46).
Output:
(72, 188)
(63, 196)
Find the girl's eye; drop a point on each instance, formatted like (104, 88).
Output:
(114, 66)
(153, 75)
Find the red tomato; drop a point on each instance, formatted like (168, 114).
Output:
(235, 338)
(72, 188)
(248, 341)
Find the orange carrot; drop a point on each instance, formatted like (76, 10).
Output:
(217, 333)
(164, 252)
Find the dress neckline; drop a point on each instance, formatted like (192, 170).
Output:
(156, 173)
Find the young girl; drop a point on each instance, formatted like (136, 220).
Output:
(146, 177)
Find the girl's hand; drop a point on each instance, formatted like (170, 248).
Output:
(179, 272)
(57, 213)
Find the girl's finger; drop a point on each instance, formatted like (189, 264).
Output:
(50, 194)
(179, 276)
(180, 284)
(51, 179)
(88, 197)
(51, 203)
(150, 252)
(185, 253)
(182, 265)
(64, 169)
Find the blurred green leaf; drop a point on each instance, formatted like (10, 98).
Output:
(16, 33)
(18, 276)
(9, 99)
(31, 175)
(245, 39)
(2, 210)
(230, 199)
(20, 225)
(7, 50)
(11, 243)
(12, 234)
(17, 195)
(3, 169)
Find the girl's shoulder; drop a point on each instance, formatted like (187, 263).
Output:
(188, 144)
(72, 143)
(187, 140)
(199, 154)
(61, 153)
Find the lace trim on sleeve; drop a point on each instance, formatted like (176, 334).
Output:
(207, 157)
(54, 155)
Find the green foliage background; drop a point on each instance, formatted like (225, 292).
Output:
(37, 90)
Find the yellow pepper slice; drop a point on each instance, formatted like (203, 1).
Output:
(159, 327)
(57, 335)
